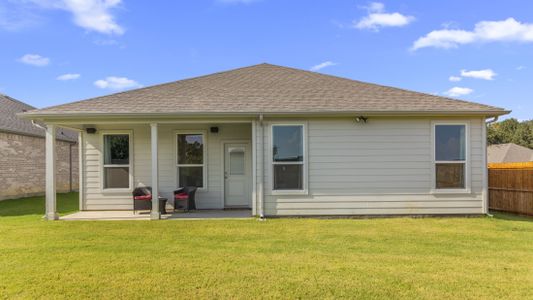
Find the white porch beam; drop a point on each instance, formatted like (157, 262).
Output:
(155, 214)
(71, 123)
(50, 154)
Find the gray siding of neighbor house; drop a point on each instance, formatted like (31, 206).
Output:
(22, 162)
(210, 198)
(381, 167)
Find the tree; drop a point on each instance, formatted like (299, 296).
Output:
(511, 131)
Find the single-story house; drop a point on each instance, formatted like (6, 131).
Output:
(22, 154)
(508, 153)
(280, 141)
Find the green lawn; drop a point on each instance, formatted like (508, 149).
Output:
(279, 258)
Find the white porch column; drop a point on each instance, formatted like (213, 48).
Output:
(81, 170)
(50, 149)
(155, 214)
(254, 168)
(262, 170)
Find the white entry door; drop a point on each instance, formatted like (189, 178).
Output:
(237, 177)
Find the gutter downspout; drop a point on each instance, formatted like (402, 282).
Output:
(37, 125)
(486, 171)
(262, 186)
(494, 119)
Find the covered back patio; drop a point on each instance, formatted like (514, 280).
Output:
(217, 156)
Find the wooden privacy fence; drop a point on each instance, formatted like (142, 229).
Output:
(511, 187)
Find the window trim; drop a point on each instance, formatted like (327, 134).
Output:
(304, 163)
(103, 133)
(204, 165)
(467, 170)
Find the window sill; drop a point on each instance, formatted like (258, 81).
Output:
(288, 192)
(198, 189)
(450, 191)
(116, 191)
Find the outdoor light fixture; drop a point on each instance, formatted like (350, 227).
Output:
(361, 118)
(91, 130)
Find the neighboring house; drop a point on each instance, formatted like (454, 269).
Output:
(282, 142)
(506, 153)
(22, 154)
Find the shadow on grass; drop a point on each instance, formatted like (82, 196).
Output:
(511, 217)
(66, 203)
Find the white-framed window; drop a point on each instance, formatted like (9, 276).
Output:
(117, 160)
(450, 157)
(191, 158)
(289, 158)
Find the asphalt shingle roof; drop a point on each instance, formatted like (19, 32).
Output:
(510, 152)
(10, 122)
(267, 88)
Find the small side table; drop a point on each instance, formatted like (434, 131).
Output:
(162, 205)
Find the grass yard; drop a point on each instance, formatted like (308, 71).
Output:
(279, 258)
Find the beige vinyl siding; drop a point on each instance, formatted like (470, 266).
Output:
(211, 197)
(381, 167)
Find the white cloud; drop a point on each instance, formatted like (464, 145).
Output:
(486, 74)
(93, 15)
(35, 60)
(105, 42)
(377, 18)
(323, 65)
(454, 78)
(237, 1)
(520, 68)
(375, 7)
(458, 91)
(117, 83)
(16, 16)
(68, 76)
(508, 30)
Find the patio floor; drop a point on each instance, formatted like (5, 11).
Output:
(113, 215)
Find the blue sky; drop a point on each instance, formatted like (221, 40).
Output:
(57, 51)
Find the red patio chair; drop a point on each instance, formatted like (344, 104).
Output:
(184, 198)
(142, 200)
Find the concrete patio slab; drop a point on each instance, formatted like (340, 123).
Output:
(212, 214)
(129, 215)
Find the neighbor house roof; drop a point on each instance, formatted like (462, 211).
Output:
(504, 153)
(267, 88)
(10, 122)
